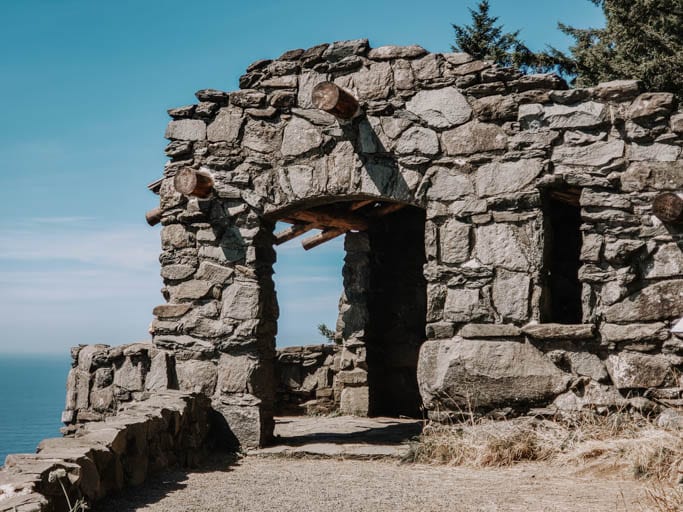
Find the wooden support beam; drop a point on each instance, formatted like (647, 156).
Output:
(668, 208)
(340, 220)
(360, 204)
(320, 238)
(288, 234)
(153, 216)
(386, 209)
(569, 196)
(334, 100)
(193, 183)
(155, 186)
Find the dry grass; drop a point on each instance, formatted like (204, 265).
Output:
(617, 444)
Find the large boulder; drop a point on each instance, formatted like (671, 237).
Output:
(458, 374)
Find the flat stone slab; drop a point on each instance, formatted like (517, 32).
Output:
(341, 437)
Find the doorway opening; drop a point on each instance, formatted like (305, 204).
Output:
(562, 294)
(382, 310)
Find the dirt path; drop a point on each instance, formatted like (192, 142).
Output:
(265, 484)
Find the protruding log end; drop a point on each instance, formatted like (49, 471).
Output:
(668, 208)
(322, 237)
(192, 183)
(333, 99)
(153, 216)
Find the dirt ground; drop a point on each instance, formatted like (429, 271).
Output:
(305, 484)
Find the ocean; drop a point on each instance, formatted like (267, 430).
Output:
(32, 394)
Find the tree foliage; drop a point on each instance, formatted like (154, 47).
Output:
(327, 333)
(642, 39)
(485, 39)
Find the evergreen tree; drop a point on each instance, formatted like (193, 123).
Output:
(485, 40)
(642, 39)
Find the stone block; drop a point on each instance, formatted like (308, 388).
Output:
(499, 178)
(657, 301)
(551, 331)
(197, 376)
(440, 108)
(489, 331)
(510, 293)
(454, 241)
(630, 370)
(241, 301)
(355, 401)
(186, 129)
(596, 154)
(300, 137)
(236, 373)
(460, 375)
(474, 137)
(226, 126)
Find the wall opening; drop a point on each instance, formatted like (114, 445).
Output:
(562, 294)
(397, 307)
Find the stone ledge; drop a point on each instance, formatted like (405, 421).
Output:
(559, 331)
(160, 431)
(489, 331)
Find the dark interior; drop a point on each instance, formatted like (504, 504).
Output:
(397, 306)
(562, 302)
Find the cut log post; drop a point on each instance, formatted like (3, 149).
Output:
(192, 183)
(668, 208)
(155, 186)
(334, 100)
(320, 238)
(288, 234)
(340, 220)
(153, 216)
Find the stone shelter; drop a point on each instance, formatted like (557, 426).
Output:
(510, 243)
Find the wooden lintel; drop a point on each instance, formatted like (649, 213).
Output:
(360, 204)
(288, 234)
(332, 219)
(334, 100)
(320, 238)
(386, 209)
(193, 183)
(155, 186)
(668, 208)
(569, 196)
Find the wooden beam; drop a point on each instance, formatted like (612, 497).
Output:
(320, 238)
(360, 204)
(334, 100)
(153, 216)
(155, 186)
(668, 207)
(569, 196)
(192, 183)
(287, 234)
(386, 209)
(340, 220)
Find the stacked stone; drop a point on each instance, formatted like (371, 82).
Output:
(304, 379)
(166, 429)
(474, 145)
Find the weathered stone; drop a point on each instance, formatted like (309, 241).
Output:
(510, 293)
(583, 115)
(633, 333)
(657, 301)
(588, 365)
(449, 184)
(667, 261)
(676, 123)
(176, 236)
(650, 105)
(489, 331)
(653, 152)
(281, 82)
(592, 396)
(191, 290)
(218, 274)
(552, 331)
(617, 90)
(262, 136)
(642, 176)
(396, 52)
(506, 246)
(184, 112)
(473, 137)
(454, 240)
(177, 272)
(630, 370)
(471, 67)
(213, 95)
(537, 81)
(161, 372)
(235, 374)
(247, 98)
(130, 375)
(186, 129)
(598, 153)
(227, 125)
(300, 137)
(241, 301)
(197, 376)
(418, 140)
(355, 401)
(506, 177)
(340, 49)
(460, 375)
(463, 305)
(496, 108)
(440, 108)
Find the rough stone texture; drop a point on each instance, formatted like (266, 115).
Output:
(631, 370)
(485, 155)
(460, 373)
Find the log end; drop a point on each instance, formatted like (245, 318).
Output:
(668, 207)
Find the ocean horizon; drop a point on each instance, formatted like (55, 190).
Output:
(32, 397)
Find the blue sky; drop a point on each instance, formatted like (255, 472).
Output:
(85, 88)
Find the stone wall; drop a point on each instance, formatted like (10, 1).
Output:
(488, 154)
(157, 431)
(305, 379)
